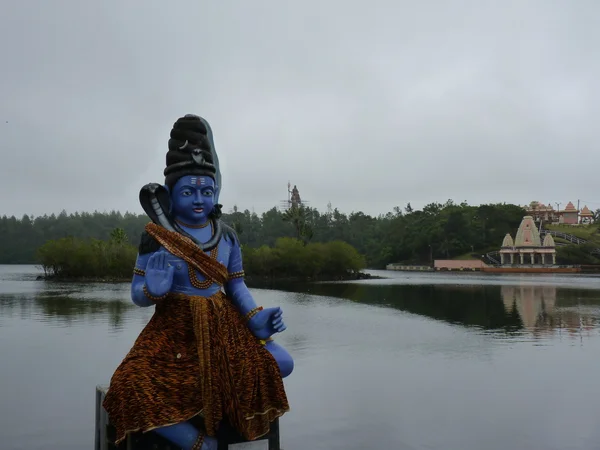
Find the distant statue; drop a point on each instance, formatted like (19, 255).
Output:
(207, 351)
(295, 198)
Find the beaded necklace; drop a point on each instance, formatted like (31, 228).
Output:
(213, 254)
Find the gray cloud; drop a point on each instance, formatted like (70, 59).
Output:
(368, 105)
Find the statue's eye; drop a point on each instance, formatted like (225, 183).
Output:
(208, 193)
(186, 193)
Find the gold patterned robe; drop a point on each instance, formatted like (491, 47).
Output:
(196, 356)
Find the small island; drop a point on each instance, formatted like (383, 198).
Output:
(88, 260)
(290, 259)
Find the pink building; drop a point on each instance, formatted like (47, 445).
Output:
(586, 216)
(569, 215)
(458, 264)
(539, 211)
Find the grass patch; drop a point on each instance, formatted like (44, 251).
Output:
(465, 257)
(587, 232)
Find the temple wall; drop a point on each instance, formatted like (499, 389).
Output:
(571, 218)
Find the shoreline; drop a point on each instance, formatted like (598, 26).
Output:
(250, 279)
(56, 279)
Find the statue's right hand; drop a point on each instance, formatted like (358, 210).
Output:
(159, 274)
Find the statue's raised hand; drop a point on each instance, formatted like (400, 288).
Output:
(267, 322)
(159, 274)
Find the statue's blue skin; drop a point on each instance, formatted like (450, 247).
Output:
(192, 200)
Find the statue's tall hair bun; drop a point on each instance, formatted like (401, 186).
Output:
(191, 151)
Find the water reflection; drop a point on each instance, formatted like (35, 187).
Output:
(63, 309)
(506, 308)
(469, 305)
(545, 309)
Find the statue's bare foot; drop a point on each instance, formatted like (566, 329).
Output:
(210, 443)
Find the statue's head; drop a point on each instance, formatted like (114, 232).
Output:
(192, 175)
(193, 199)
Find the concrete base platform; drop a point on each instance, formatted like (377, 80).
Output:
(227, 437)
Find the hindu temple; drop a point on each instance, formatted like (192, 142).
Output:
(570, 215)
(586, 216)
(527, 248)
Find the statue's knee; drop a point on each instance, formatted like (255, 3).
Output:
(285, 361)
(283, 358)
(286, 365)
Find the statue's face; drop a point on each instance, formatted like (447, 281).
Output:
(193, 199)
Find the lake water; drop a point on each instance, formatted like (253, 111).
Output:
(417, 361)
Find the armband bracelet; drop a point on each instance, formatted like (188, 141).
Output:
(199, 442)
(234, 275)
(139, 271)
(253, 312)
(152, 297)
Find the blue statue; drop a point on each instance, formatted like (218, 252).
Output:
(207, 351)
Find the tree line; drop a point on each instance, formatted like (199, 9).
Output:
(438, 231)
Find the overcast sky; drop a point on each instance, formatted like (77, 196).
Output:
(364, 104)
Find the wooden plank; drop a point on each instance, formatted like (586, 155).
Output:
(274, 443)
(97, 437)
(101, 419)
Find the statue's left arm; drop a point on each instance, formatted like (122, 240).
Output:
(236, 288)
(262, 322)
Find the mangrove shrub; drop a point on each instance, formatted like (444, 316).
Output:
(294, 258)
(73, 258)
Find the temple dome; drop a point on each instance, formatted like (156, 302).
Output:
(508, 241)
(585, 212)
(549, 241)
(527, 234)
